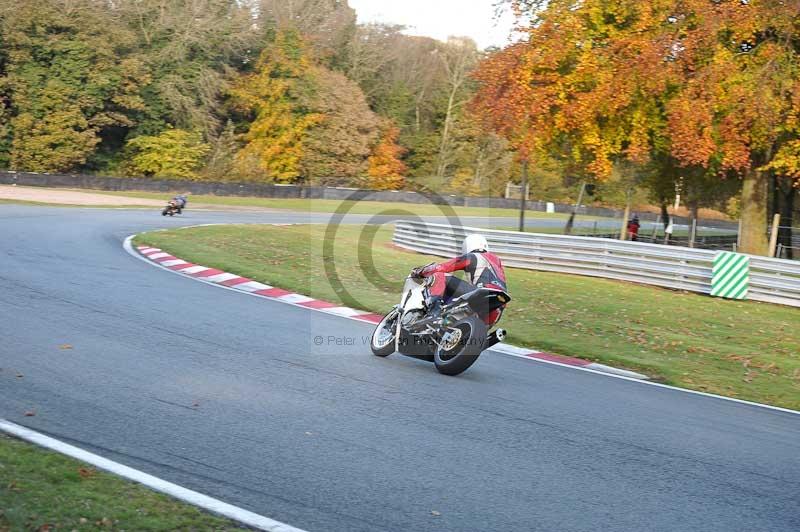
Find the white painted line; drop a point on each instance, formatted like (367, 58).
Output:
(504, 349)
(509, 349)
(156, 256)
(616, 371)
(222, 277)
(171, 263)
(252, 286)
(344, 311)
(194, 269)
(295, 298)
(173, 490)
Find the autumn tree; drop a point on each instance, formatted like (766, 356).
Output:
(734, 112)
(706, 84)
(270, 97)
(386, 168)
(338, 144)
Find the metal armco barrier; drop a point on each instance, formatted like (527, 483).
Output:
(771, 280)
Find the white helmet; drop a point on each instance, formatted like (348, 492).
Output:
(474, 243)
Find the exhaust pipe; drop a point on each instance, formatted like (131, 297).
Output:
(495, 338)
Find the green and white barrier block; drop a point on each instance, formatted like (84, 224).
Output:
(731, 277)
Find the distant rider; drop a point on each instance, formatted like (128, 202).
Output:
(180, 201)
(483, 269)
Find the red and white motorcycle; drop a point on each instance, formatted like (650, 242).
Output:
(453, 341)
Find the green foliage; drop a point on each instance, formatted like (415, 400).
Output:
(192, 49)
(67, 79)
(173, 153)
(280, 91)
(221, 159)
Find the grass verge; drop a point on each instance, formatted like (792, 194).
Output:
(42, 490)
(746, 349)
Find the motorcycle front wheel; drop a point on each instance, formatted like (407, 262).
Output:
(461, 346)
(382, 341)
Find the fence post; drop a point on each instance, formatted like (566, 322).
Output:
(773, 240)
(653, 238)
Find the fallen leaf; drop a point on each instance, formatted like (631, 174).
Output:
(86, 472)
(65, 346)
(30, 413)
(435, 513)
(20, 375)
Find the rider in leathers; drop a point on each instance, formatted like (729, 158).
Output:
(483, 269)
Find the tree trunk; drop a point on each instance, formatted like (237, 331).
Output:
(664, 215)
(787, 216)
(694, 209)
(418, 111)
(754, 214)
(441, 167)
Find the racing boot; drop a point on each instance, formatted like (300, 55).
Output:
(434, 304)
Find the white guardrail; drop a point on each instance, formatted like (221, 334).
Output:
(771, 280)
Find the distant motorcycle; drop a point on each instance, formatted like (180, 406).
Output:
(453, 341)
(172, 208)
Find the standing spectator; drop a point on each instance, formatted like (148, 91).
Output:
(633, 228)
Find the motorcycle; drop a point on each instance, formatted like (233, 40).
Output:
(453, 341)
(172, 209)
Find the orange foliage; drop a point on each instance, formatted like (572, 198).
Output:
(386, 169)
(710, 83)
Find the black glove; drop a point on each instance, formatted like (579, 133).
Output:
(417, 272)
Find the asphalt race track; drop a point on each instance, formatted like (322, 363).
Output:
(229, 395)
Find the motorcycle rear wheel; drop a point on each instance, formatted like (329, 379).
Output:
(458, 358)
